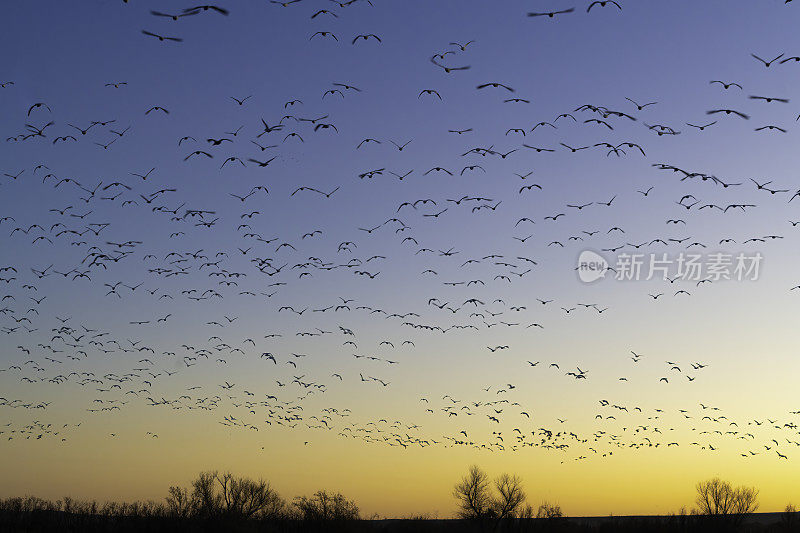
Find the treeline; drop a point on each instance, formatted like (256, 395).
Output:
(213, 502)
(719, 507)
(228, 503)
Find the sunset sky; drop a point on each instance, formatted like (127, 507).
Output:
(174, 338)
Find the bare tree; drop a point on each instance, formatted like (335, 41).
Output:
(243, 497)
(549, 511)
(510, 496)
(326, 506)
(718, 498)
(215, 494)
(178, 503)
(473, 494)
(206, 501)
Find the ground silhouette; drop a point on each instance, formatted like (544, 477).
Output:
(225, 502)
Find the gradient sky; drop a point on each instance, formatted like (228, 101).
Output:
(64, 53)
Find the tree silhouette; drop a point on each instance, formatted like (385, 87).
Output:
(730, 505)
(510, 496)
(476, 499)
(549, 511)
(325, 506)
(226, 496)
(206, 501)
(473, 494)
(178, 502)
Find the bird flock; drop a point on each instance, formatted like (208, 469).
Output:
(299, 265)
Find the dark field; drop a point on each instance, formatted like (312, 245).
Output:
(148, 520)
